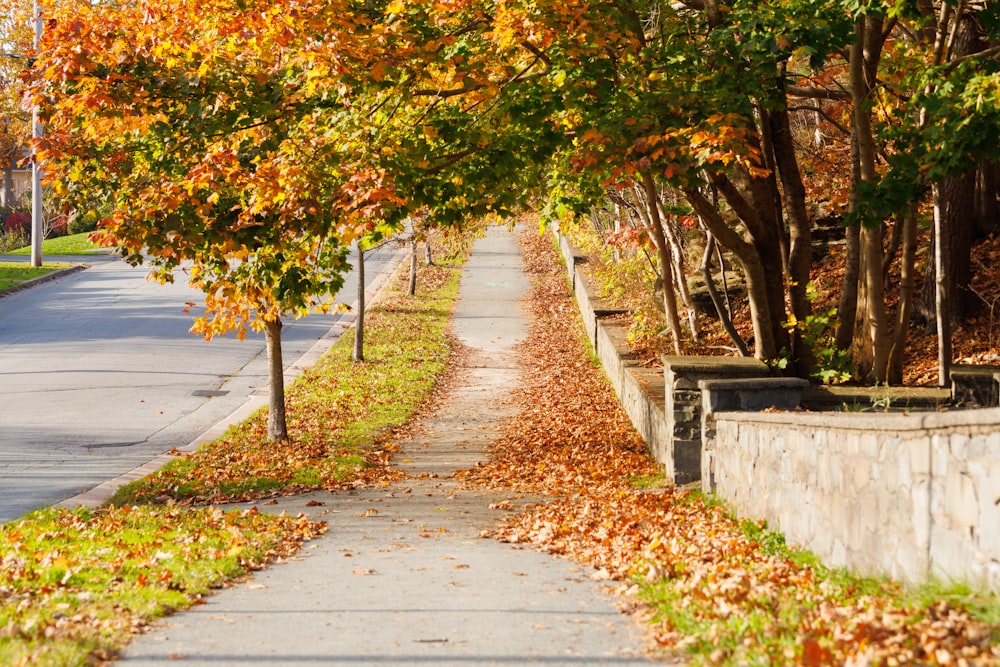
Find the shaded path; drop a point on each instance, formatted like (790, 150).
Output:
(403, 576)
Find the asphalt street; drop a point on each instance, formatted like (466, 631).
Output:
(99, 373)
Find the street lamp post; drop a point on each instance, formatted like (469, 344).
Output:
(36, 167)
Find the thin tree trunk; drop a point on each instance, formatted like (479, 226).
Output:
(750, 199)
(847, 307)
(277, 429)
(907, 271)
(753, 272)
(663, 250)
(720, 307)
(942, 302)
(871, 349)
(359, 323)
(428, 260)
(680, 282)
(793, 194)
(7, 189)
(412, 289)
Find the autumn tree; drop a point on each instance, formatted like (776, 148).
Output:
(211, 130)
(694, 96)
(15, 121)
(918, 142)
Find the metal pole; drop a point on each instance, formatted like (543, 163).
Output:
(36, 167)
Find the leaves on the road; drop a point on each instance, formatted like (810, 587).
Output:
(729, 591)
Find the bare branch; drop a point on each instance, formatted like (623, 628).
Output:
(811, 92)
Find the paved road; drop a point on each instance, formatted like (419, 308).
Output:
(99, 373)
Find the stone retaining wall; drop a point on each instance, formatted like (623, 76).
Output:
(639, 389)
(907, 495)
(904, 495)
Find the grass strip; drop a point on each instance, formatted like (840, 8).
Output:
(76, 585)
(74, 244)
(340, 412)
(13, 274)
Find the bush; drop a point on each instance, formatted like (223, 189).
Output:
(56, 226)
(12, 240)
(18, 220)
(79, 224)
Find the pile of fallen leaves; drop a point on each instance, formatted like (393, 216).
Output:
(726, 591)
(75, 585)
(571, 433)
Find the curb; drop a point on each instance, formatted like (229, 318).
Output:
(103, 492)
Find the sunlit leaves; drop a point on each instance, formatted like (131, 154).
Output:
(198, 124)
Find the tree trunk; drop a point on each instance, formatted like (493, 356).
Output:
(359, 323)
(663, 251)
(680, 281)
(412, 289)
(7, 186)
(943, 302)
(277, 430)
(871, 340)
(987, 204)
(428, 260)
(957, 210)
(752, 203)
(793, 194)
(847, 306)
(753, 273)
(907, 285)
(720, 307)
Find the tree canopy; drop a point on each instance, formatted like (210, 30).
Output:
(250, 143)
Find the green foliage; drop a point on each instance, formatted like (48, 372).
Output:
(833, 365)
(12, 239)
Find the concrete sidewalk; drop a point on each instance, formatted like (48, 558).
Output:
(404, 575)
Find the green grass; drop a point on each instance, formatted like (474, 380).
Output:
(15, 273)
(338, 412)
(76, 585)
(75, 244)
(761, 618)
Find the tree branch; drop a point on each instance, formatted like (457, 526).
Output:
(813, 93)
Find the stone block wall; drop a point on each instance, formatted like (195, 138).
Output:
(975, 386)
(908, 496)
(683, 404)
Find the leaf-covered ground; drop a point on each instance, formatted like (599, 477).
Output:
(730, 592)
(75, 585)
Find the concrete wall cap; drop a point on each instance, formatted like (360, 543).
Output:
(753, 383)
(987, 418)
